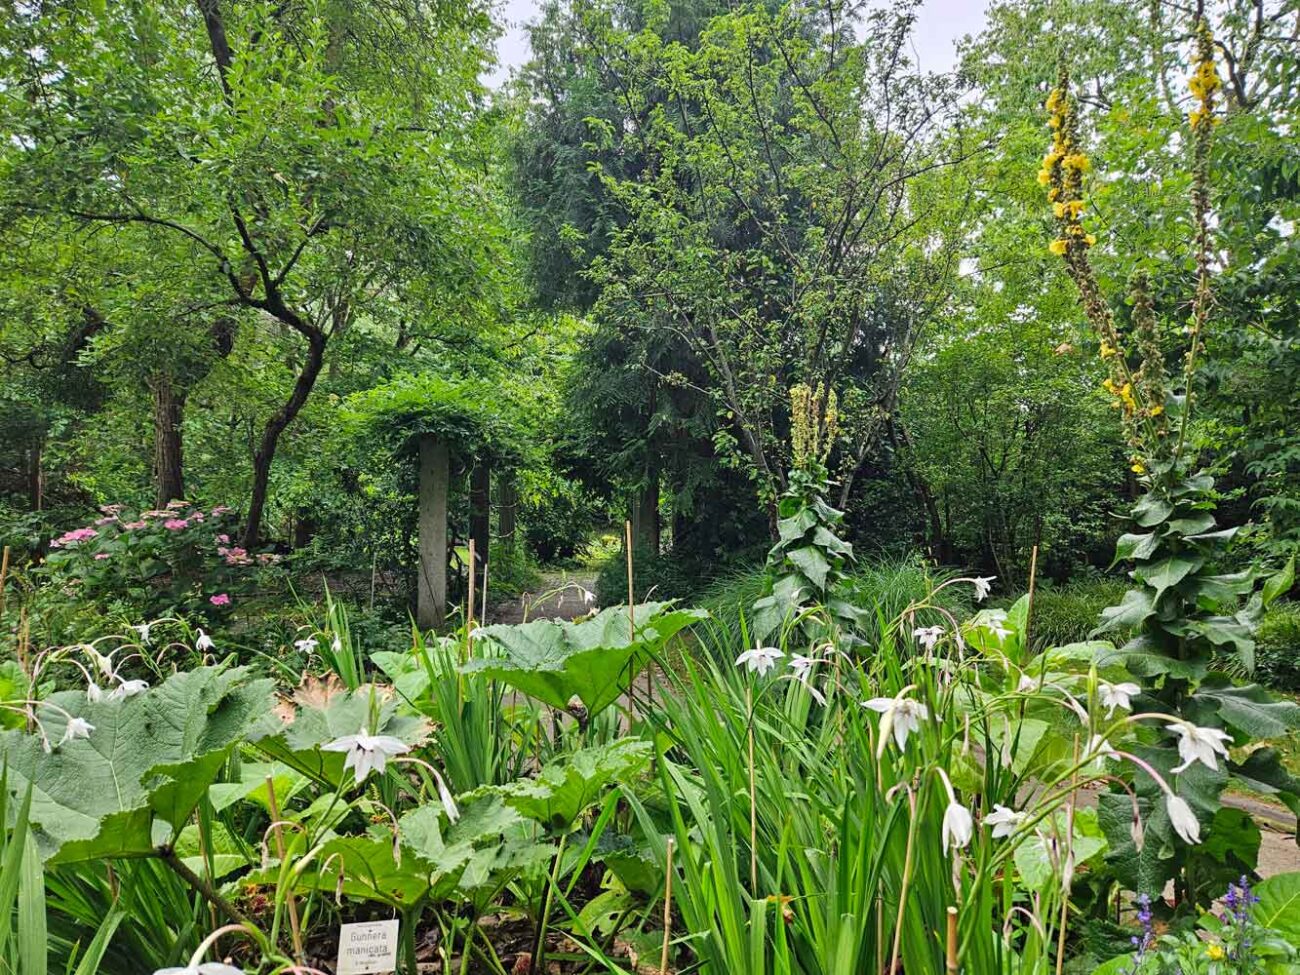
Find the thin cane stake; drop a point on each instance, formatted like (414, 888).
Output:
(4, 575)
(469, 604)
(294, 930)
(951, 965)
(1029, 599)
(668, 910)
(631, 597)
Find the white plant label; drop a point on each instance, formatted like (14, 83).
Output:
(370, 946)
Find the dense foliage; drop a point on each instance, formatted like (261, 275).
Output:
(724, 500)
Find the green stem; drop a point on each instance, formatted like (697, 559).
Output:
(408, 940)
(169, 857)
(539, 947)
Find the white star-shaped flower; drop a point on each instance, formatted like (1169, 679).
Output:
(204, 643)
(983, 586)
(1026, 684)
(1003, 820)
(94, 693)
(143, 630)
(76, 728)
(1100, 749)
(900, 716)
(367, 753)
(306, 645)
(1117, 695)
(1196, 744)
(928, 636)
(128, 688)
(206, 968)
(760, 660)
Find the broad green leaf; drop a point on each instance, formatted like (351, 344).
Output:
(1033, 859)
(1279, 905)
(1132, 611)
(1251, 711)
(370, 706)
(1280, 582)
(567, 787)
(1136, 547)
(1151, 511)
(810, 561)
(594, 660)
(150, 758)
(1167, 572)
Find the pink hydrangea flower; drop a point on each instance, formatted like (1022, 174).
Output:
(100, 556)
(224, 540)
(74, 536)
(175, 524)
(220, 599)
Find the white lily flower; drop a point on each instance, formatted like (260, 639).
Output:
(1003, 820)
(204, 643)
(899, 716)
(366, 753)
(1117, 695)
(336, 644)
(1183, 819)
(928, 636)
(448, 800)
(143, 630)
(76, 728)
(128, 688)
(760, 659)
(1100, 749)
(802, 666)
(1196, 744)
(994, 626)
(102, 662)
(1026, 684)
(206, 968)
(983, 586)
(94, 693)
(588, 597)
(958, 826)
(306, 645)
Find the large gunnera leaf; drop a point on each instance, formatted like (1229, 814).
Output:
(326, 718)
(569, 786)
(130, 786)
(594, 660)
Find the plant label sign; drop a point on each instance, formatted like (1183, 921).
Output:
(370, 946)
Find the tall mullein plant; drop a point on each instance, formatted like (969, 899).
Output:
(1185, 614)
(807, 567)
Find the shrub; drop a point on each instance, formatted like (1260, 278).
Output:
(1277, 648)
(1067, 614)
(180, 559)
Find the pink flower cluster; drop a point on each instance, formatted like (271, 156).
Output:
(74, 536)
(220, 599)
(234, 556)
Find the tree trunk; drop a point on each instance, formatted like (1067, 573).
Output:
(480, 519)
(507, 509)
(168, 453)
(940, 549)
(435, 482)
(265, 452)
(645, 512)
(36, 476)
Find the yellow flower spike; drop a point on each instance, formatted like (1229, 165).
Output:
(1090, 239)
(1059, 209)
(1108, 385)
(1157, 410)
(1058, 247)
(1075, 207)
(1215, 952)
(1107, 351)
(1044, 177)
(1077, 161)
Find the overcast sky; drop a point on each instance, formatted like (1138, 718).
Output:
(942, 23)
